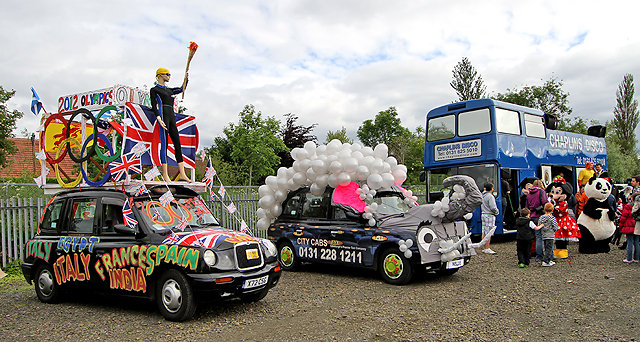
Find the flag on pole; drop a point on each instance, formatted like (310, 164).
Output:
(127, 214)
(36, 105)
(222, 191)
(156, 215)
(41, 156)
(209, 172)
(140, 190)
(231, 208)
(202, 154)
(39, 181)
(151, 174)
(124, 165)
(245, 228)
(182, 223)
(166, 198)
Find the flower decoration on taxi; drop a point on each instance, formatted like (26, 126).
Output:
(335, 165)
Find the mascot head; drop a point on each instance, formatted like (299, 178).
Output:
(598, 188)
(559, 191)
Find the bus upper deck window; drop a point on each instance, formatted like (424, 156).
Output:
(441, 128)
(534, 126)
(508, 121)
(474, 122)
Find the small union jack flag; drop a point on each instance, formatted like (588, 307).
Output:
(231, 208)
(126, 163)
(245, 228)
(166, 198)
(140, 190)
(202, 154)
(156, 216)
(41, 156)
(209, 172)
(139, 149)
(151, 174)
(127, 214)
(173, 238)
(182, 223)
(222, 191)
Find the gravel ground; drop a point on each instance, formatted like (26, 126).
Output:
(582, 298)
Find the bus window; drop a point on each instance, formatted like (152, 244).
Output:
(441, 128)
(508, 121)
(474, 122)
(534, 126)
(482, 174)
(434, 183)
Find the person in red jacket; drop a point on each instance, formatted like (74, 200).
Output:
(628, 224)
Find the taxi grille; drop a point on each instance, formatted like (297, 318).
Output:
(248, 256)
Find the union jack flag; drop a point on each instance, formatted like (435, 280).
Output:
(204, 237)
(156, 216)
(140, 190)
(126, 163)
(245, 228)
(231, 208)
(202, 154)
(127, 214)
(146, 129)
(222, 191)
(182, 223)
(166, 198)
(139, 149)
(172, 239)
(209, 172)
(151, 174)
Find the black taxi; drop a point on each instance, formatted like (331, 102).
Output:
(173, 252)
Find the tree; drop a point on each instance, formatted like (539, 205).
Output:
(467, 82)
(620, 164)
(626, 116)
(251, 145)
(382, 130)
(340, 134)
(293, 136)
(549, 98)
(7, 125)
(408, 149)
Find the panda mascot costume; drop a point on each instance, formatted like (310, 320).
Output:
(560, 190)
(596, 221)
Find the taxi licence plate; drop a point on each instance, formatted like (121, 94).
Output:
(455, 263)
(251, 283)
(252, 254)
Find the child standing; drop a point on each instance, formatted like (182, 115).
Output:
(525, 237)
(489, 212)
(633, 234)
(550, 225)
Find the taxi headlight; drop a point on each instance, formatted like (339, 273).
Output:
(209, 257)
(270, 247)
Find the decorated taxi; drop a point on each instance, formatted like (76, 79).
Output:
(344, 204)
(162, 244)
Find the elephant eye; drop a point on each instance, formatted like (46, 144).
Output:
(425, 238)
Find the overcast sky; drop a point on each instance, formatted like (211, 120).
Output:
(334, 63)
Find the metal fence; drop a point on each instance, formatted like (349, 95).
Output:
(18, 223)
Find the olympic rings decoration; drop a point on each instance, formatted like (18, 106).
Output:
(92, 150)
(84, 173)
(97, 150)
(79, 179)
(43, 138)
(169, 209)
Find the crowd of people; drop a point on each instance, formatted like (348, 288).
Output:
(548, 215)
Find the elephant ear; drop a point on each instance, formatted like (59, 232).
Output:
(347, 195)
(460, 207)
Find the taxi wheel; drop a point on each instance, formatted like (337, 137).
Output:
(287, 256)
(47, 289)
(175, 297)
(394, 267)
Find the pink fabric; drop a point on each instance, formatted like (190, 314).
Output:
(347, 195)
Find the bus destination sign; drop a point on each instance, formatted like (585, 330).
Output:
(460, 149)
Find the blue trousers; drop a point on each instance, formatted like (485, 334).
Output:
(633, 247)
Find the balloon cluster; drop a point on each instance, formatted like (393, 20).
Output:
(441, 207)
(335, 164)
(404, 247)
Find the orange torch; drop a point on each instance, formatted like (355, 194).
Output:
(192, 51)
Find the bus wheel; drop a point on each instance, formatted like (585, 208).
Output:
(175, 297)
(287, 256)
(394, 267)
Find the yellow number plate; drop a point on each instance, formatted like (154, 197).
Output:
(252, 254)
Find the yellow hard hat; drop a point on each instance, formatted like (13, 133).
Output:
(161, 71)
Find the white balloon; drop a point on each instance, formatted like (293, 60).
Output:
(363, 196)
(408, 254)
(367, 209)
(346, 146)
(357, 155)
(435, 212)
(367, 215)
(294, 153)
(393, 162)
(374, 206)
(266, 202)
(302, 154)
(376, 166)
(333, 180)
(409, 193)
(372, 222)
(276, 209)
(367, 151)
(372, 192)
(322, 181)
(334, 146)
(283, 184)
(321, 150)
(290, 172)
(261, 213)
(414, 198)
(296, 166)
(366, 161)
(437, 205)
(336, 167)
(386, 168)
(317, 190)
(305, 164)
(387, 180)
(445, 200)
(350, 165)
(403, 248)
(374, 181)
(400, 176)
(468, 216)
(322, 157)
(344, 179)
(299, 178)
(310, 146)
(381, 151)
(272, 182)
(400, 167)
(356, 147)
(263, 224)
(365, 188)
(319, 166)
(291, 185)
(280, 195)
(282, 172)
(369, 196)
(311, 174)
(409, 243)
(264, 190)
(362, 172)
(331, 158)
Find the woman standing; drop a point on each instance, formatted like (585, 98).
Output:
(162, 103)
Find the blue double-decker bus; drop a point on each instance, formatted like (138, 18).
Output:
(491, 141)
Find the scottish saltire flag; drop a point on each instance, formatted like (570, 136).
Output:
(146, 129)
(36, 105)
(231, 208)
(209, 172)
(151, 174)
(245, 228)
(126, 163)
(222, 191)
(140, 190)
(182, 223)
(166, 198)
(127, 214)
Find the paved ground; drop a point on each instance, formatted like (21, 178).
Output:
(582, 298)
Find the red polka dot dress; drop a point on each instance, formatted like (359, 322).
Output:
(569, 230)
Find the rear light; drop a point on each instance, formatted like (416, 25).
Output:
(224, 280)
(277, 269)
